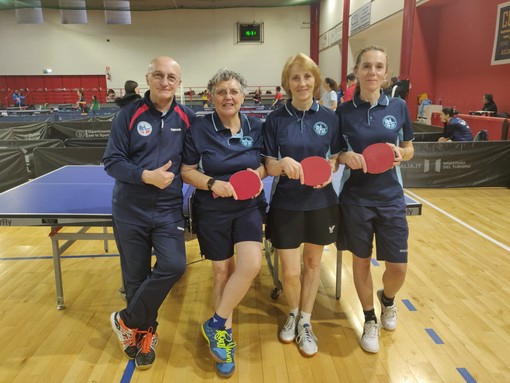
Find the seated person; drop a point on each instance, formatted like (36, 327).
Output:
(110, 96)
(18, 98)
(455, 128)
(488, 104)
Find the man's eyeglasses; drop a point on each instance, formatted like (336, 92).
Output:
(158, 76)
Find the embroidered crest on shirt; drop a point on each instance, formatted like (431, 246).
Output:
(320, 128)
(389, 122)
(144, 128)
(247, 141)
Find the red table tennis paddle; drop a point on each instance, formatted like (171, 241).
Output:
(245, 183)
(316, 170)
(379, 158)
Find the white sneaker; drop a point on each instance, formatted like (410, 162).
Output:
(370, 337)
(388, 314)
(288, 333)
(307, 341)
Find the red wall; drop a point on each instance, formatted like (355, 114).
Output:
(451, 57)
(53, 89)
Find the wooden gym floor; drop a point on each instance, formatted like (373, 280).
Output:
(454, 310)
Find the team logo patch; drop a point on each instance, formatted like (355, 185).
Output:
(144, 128)
(389, 122)
(247, 141)
(320, 128)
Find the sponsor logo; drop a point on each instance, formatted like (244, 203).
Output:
(436, 166)
(175, 129)
(320, 128)
(331, 229)
(389, 122)
(432, 166)
(144, 128)
(5, 222)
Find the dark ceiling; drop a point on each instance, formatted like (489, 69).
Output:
(156, 5)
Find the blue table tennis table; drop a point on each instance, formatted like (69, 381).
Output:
(73, 195)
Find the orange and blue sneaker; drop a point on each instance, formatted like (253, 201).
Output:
(146, 349)
(128, 337)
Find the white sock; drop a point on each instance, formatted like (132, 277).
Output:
(305, 318)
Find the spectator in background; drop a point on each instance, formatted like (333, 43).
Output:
(488, 104)
(388, 89)
(205, 99)
(398, 88)
(351, 87)
(339, 93)
(330, 98)
(257, 97)
(423, 100)
(455, 128)
(82, 102)
(278, 98)
(94, 106)
(110, 96)
(130, 95)
(18, 98)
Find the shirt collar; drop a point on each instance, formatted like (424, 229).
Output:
(383, 100)
(292, 111)
(218, 125)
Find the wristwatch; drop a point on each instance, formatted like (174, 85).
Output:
(210, 183)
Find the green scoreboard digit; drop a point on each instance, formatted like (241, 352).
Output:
(250, 33)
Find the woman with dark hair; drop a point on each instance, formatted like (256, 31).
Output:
(455, 128)
(131, 89)
(488, 104)
(330, 98)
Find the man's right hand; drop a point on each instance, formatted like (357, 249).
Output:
(159, 177)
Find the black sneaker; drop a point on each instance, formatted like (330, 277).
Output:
(128, 337)
(147, 350)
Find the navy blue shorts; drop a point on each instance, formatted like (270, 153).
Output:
(288, 229)
(219, 230)
(359, 224)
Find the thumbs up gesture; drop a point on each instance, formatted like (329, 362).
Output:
(159, 177)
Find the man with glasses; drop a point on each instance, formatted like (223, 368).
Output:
(144, 156)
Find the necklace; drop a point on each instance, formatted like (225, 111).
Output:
(296, 113)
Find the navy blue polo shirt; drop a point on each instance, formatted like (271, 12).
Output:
(296, 134)
(458, 130)
(219, 154)
(361, 125)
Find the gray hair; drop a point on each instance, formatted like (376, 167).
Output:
(226, 74)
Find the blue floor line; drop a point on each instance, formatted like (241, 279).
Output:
(408, 304)
(434, 336)
(128, 372)
(466, 375)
